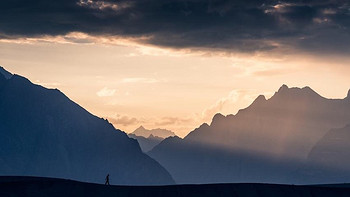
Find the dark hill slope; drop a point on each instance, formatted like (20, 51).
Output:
(44, 133)
(40, 187)
(146, 144)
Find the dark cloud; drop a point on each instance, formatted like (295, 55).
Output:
(243, 25)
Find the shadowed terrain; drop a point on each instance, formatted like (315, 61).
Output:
(44, 133)
(31, 186)
(146, 144)
(267, 142)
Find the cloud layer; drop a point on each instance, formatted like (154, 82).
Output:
(236, 25)
(105, 92)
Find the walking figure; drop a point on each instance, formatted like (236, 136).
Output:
(107, 180)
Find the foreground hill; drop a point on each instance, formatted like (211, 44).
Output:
(44, 133)
(30, 186)
(267, 142)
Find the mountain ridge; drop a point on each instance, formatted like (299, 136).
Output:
(5, 73)
(163, 133)
(272, 132)
(146, 144)
(44, 133)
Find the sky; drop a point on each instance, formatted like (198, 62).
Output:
(174, 64)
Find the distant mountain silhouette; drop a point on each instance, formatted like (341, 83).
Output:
(163, 133)
(288, 124)
(44, 133)
(269, 141)
(146, 144)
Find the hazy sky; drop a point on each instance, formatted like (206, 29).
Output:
(174, 64)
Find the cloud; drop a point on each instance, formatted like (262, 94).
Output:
(101, 5)
(123, 120)
(230, 104)
(165, 121)
(139, 80)
(320, 26)
(217, 107)
(48, 84)
(272, 72)
(106, 92)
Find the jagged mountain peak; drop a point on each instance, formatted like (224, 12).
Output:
(217, 118)
(5, 73)
(284, 87)
(259, 99)
(202, 128)
(154, 137)
(309, 90)
(141, 127)
(162, 133)
(296, 92)
(204, 125)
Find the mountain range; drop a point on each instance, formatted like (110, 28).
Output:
(162, 133)
(295, 137)
(146, 144)
(44, 133)
(276, 140)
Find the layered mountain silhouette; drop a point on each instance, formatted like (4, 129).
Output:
(44, 133)
(269, 141)
(162, 133)
(146, 144)
(296, 136)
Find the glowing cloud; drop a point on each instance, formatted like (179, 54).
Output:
(106, 92)
(139, 80)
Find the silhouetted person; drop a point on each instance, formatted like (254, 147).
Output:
(107, 180)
